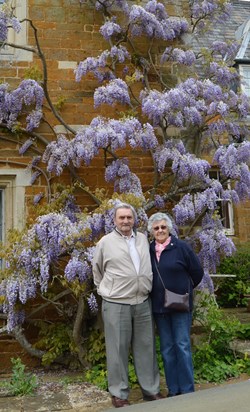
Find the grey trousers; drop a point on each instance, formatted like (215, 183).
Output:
(130, 327)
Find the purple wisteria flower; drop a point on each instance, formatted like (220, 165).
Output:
(58, 154)
(227, 50)
(115, 91)
(35, 161)
(101, 133)
(35, 176)
(154, 22)
(213, 243)
(37, 198)
(33, 120)
(92, 303)
(178, 55)
(184, 165)
(159, 202)
(208, 12)
(15, 318)
(7, 19)
(97, 65)
(71, 210)
(77, 268)
(96, 223)
(233, 161)
(192, 205)
(191, 102)
(14, 103)
(119, 53)
(109, 29)
(222, 74)
(26, 146)
(125, 180)
(206, 283)
(107, 5)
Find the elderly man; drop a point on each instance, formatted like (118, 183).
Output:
(123, 276)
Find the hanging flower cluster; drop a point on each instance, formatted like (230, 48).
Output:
(13, 103)
(101, 133)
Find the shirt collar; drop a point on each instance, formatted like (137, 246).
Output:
(125, 237)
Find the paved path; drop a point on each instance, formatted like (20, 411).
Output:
(228, 398)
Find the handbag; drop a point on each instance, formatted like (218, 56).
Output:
(175, 301)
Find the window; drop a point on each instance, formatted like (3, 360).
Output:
(224, 208)
(1, 221)
(1, 215)
(244, 70)
(12, 198)
(242, 58)
(9, 53)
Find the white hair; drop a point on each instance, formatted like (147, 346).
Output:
(156, 217)
(122, 205)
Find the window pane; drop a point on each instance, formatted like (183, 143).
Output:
(224, 208)
(1, 219)
(1, 213)
(245, 73)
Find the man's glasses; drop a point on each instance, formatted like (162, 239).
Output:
(163, 227)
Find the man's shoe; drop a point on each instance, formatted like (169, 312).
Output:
(119, 403)
(153, 397)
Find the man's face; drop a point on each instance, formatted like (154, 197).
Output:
(124, 221)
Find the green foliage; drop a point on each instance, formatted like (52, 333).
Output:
(33, 73)
(96, 351)
(98, 376)
(96, 355)
(210, 367)
(159, 357)
(21, 383)
(244, 332)
(56, 340)
(232, 291)
(132, 378)
(60, 102)
(214, 360)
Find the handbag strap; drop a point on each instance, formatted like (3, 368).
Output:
(156, 266)
(158, 272)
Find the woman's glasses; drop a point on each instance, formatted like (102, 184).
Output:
(162, 227)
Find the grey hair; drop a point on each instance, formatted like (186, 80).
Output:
(122, 205)
(156, 217)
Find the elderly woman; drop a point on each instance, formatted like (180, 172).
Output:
(176, 265)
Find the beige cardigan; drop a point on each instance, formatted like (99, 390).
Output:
(114, 272)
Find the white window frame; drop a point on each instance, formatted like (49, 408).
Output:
(21, 39)
(2, 210)
(225, 205)
(13, 208)
(244, 70)
(12, 184)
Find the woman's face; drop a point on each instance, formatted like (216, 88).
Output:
(160, 231)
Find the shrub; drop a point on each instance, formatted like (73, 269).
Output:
(214, 360)
(232, 291)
